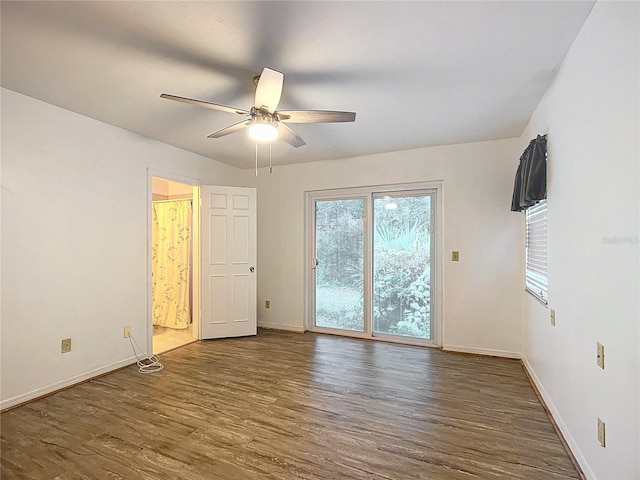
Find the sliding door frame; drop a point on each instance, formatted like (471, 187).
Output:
(434, 188)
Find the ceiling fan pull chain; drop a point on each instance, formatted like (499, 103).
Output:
(270, 167)
(256, 158)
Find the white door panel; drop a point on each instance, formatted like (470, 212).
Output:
(228, 270)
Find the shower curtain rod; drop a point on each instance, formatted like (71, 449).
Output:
(173, 200)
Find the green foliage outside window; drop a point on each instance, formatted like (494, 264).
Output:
(401, 265)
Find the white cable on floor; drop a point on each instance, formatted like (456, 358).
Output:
(146, 363)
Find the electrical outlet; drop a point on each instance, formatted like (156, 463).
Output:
(553, 317)
(127, 332)
(65, 345)
(601, 433)
(455, 256)
(600, 355)
(267, 304)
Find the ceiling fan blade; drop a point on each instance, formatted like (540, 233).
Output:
(269, 90)
(287, 134)
(315, 116)
(230, 129)
(202, 103)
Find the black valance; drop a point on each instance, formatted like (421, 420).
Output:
(531, 177)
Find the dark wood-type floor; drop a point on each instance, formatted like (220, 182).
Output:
(288, 406)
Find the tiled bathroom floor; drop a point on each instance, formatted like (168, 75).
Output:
(165, 339)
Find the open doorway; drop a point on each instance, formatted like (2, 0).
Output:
(173, 245)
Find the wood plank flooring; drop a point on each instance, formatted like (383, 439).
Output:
(291, 406)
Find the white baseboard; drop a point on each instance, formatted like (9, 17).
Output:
(575, 449)
(482, 351)
(54, 387)
(280, 326)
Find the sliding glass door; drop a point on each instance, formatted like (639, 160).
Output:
(371, 267)
(339, 264)
(402, 265)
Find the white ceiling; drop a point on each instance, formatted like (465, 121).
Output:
(417, 73)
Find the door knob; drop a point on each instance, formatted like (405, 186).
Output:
(252, 269)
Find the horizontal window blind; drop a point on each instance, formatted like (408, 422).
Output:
(536, 251)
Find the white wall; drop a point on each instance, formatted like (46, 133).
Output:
(482, 302)
(74, 241)
(591, 116)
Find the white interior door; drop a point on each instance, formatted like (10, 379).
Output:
(228, 243)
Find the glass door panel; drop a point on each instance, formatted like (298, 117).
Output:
(402, 265)
(339, 259)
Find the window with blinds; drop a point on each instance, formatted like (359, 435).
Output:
(536, 251)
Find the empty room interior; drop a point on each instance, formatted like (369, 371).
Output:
(278, 240)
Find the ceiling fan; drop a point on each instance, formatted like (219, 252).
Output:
(265, 122)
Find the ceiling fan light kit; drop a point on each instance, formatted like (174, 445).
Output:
(264, 129)
(265, 123)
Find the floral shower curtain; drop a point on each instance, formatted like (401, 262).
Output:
(171, 263)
